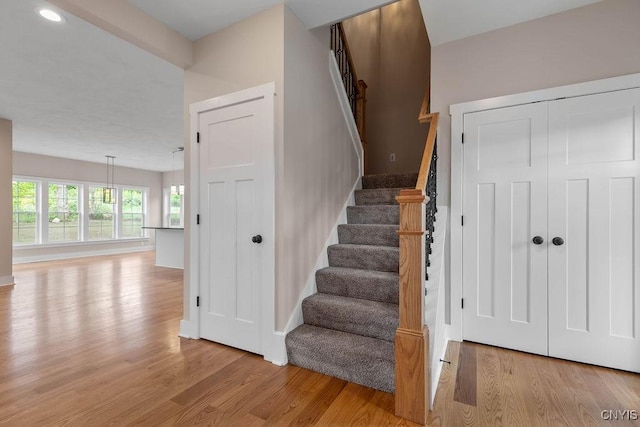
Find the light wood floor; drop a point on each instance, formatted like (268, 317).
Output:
(93, 342)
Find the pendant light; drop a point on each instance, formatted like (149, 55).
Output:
(175, 189)
(109, 191)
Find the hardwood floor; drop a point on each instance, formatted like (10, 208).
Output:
(489, 386)
(94, 341)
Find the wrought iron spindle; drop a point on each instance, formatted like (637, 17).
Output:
(431, 207)
(350, 84)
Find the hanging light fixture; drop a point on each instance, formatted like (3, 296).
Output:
(175, 189)
(109, 191)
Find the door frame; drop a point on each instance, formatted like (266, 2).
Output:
(457, 112)
(272, 342)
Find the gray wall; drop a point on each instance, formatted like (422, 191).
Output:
(315, 162)
(589, 43)
(391, 53)
(6, 219)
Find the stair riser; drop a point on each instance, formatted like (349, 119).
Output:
(389, 181)
(357, 359)
(364, 258)
(373, 289)
(376, 197)
(360, 234)
(373, 215)
(380, 324)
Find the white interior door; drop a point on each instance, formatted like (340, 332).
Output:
(505, 207)
(236, 206)
(594, 203)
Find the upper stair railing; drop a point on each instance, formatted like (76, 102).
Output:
(417, 214)
(356, 89)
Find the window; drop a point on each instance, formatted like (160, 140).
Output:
(132, 213)
(173, 209)
(25, 212)
(101, 216)
(53, 212)
(64, 217)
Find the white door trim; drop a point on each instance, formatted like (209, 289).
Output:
(272, 340)
(457, 112)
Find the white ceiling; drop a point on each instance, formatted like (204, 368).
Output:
(196, 18)
(73, 90)
(449, 20)
(76, 91)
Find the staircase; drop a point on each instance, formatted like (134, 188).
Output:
(350, 324)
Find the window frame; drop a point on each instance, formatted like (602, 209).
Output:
(42, 203)
(37, 212)
(166, 209)
(80, 201)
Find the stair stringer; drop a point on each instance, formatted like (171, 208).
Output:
(435, 301)
(309, 289)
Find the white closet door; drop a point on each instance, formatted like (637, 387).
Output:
(594, 203)
(505, 207)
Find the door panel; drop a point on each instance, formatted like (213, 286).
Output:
(233, 150)
(594, 200)
(505, 206)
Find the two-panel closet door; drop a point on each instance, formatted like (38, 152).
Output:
(550, 237)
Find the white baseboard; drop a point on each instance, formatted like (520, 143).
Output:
(323, 261)
(278, 354)
(435, 300)
(7, 281)
(188, 330)
(87, 253)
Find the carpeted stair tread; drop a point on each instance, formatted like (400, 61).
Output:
(362, 360)
(404, 180)
(363, 284)
(377, 196)
(377, 214)
(357, 316)
(369, 234)
(364, 257)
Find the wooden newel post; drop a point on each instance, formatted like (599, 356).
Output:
(412, 336)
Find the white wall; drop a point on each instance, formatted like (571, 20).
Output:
(172, 178)
(588, 43)
(123, 19)
(320, 163)
(34, 165)
(6, 219)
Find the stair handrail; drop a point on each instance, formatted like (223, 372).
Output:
(417, 214)
(356, 88)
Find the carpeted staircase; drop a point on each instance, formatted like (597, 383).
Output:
(349, 325)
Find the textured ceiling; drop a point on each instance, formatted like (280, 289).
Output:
(75, 91)
(448, 20)
(72, 90)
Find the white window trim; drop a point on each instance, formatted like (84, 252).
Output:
(42, 190)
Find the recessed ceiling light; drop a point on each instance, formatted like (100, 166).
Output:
(51, 15)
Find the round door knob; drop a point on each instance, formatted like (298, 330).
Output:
(256, 239)
(538, 240)
(558, 241)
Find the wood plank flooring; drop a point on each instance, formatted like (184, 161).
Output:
(94, 341)
(489, 386)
